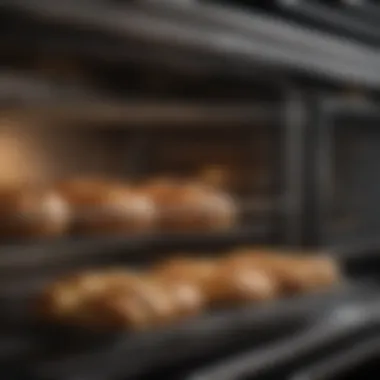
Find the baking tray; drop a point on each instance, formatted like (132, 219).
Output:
(185, 344)
(207, 336)
(67, 350)
(16, 314)
(25, 269)
(57, 349)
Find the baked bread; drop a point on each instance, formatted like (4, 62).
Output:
(189, 206)
(295, 273)
(236, 282)
(29, 211)
(112, 299)
(186, 278)
(102, 207)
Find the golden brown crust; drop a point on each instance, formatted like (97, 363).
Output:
(189, 277)
(189, 206)
(32, 211)
(113, 298)
(185, 268)
(74, 297)
(181, 287)
(106, 207)
(294, 273)
(236, 281)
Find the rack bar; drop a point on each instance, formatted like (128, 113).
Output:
(30, 254)
(129, 113)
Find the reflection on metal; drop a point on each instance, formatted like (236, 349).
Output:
(216, 31)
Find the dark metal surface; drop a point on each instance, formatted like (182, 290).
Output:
(58, 353)
(217, 31)
(340, 325)
(340, 20)
(34, 95)
(204, 337)
(346, 363)
(70, 352)
(330, 120)
(34, 255)
(318, 176)
(52, 353)
(290, 168)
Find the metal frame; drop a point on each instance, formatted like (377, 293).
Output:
(355, 22)
(287, 131)
(295, 110)
(319, 151)
(209, 21)
(286, 119)
(221, 35)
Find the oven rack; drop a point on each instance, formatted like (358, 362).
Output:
(202, 339)
(129, 113)
(36, 96)
(216, 32)
(187, 340)
(104, 364)
(25, 270)
(31, 255)
(93, 109)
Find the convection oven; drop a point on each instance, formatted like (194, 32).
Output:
(140, 140)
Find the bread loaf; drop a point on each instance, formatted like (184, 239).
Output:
(186, 206)
(28, 211)
(102, 207)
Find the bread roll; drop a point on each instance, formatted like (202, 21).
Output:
(32, 211)
(187, 296)
(116, 310)
(111, 299)
(67, 298)
(102, 207)
(185, 206)
(187, 269)
(295, 273)
(188, 279)
(234, 282)
(318, 273)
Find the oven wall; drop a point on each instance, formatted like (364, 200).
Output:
(37, 153)
(357, 182)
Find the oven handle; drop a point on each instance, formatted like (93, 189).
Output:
(341, 324)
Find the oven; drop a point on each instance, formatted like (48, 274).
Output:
(237, 97)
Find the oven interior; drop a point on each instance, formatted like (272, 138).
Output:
(86, 109)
